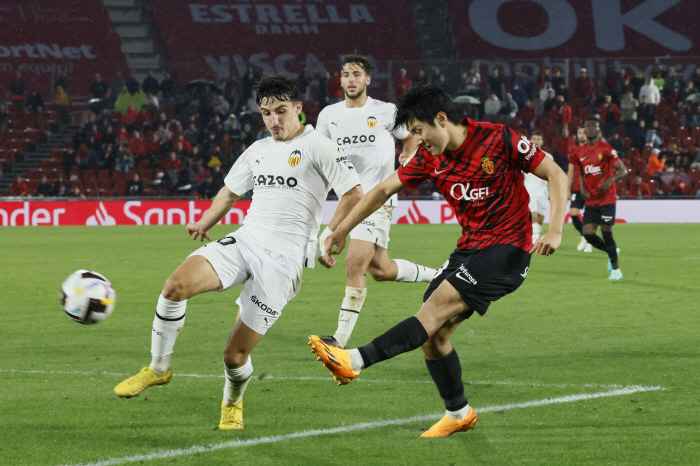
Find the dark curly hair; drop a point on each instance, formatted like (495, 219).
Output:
(278, 87)
(423, 103)
(357, 59)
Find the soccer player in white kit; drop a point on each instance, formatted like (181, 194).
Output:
(364, 128)
(290, 174)
(539, 192)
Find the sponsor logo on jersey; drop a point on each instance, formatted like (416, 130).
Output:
(526, 147)
(294, 158)
(272, 180)
(464, 275)
(357, 139)
(487, 165)
(459, 191)
(371, 122)
(591, 170)
(254, 299)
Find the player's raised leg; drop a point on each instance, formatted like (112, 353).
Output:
(194, 276)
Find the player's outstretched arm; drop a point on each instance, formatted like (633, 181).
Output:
(570, 174)
(558, 190)
(369, 203)
(346, 204)
(410, 146)
(224, 200)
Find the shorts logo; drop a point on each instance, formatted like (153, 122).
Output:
(524, 274)
(606, 218)
(464, 275)
(487, 165)
(254, 299)
(371, 122)
(294, 158)
(226, 241)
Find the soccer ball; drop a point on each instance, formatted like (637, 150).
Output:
(87, 297)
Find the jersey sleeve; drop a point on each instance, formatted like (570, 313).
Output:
(335, 167)
(322, 124)
(573, 160)
(399, 132)
(239, 179)
(415, 170)
(521, 153)
(612, 154)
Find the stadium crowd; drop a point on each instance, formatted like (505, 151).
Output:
(153, 138)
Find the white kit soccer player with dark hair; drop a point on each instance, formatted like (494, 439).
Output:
(290, 174)
(538, 191)
(364, 128)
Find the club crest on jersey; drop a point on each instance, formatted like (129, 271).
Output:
(371, 122)
(600, 156)
(294, 158)
(487, 165)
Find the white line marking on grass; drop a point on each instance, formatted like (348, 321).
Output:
(355, 427)
(359, 379)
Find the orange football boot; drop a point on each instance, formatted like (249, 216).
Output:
(448, 426)
(336, 360)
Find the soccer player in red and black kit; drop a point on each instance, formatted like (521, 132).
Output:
(478, 168)
(601, 168)
(577, 200)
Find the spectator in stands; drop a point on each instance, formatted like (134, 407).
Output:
(549, 102)
(207, 189)
(108, 161)
(509, 108)
(610, 116)
(116, 87)
(584, 86)
(76, 192)
(639, 188)
(651, 91)
(68, 159)
(671, 80)
(163, 182)
(653, 139)
(618, 145)
(519, 94)
(18, 187)
(560, 115)
(17, 88)
(63, 105)
(150, 84)
(559, 84)
(471, 81)
(336, 89)
(4, 118)
(124, 159)
(628, 109)
(132, 85)
(437, 79)
(636, 83)
(135, 186)
(492, 106)
(44, 188)
(564, 144)
(678, 186)
(638, 134)
(172, 163)
(167, 87)
(401, 83)
(152, 105)
(99, 88)
(657, 162)
(248, 81)
(420, 79)
(304, 83)
(323, 92)
(646, 112)
(674, 97)
(217, 177)
(689, 89)
(136, 145)
(612, 84)
(545, 79)
(528, 115)
(64, 82)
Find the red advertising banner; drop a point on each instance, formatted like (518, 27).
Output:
(43, 38)
(108, 213)
(215, 40)
(516, 29)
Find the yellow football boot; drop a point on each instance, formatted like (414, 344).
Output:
(231, 416)
(147, 377)
(448, 426)
(336, 360)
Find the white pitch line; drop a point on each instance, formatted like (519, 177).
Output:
(359, 379)
(355, 427)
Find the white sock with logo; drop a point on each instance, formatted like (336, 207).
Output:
(458, 415)
(236, 382)
(349, 312)
(356, 360)
(410, 272)
(169, 319)
(536, 231)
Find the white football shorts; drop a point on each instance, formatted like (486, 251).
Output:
(375, 228)
(539, 201)
(270, 280)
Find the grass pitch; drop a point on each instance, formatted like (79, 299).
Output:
(566, 331)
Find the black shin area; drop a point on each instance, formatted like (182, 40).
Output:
(611, 248)
(578, 224)
(596, 241)
(447, 375)
(406, 336)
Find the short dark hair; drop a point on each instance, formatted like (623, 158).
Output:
(357, 59)
(277, 86)
(537, 133)
(594, 117)
(423, 103)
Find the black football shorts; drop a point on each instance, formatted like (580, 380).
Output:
(600, 214)
(577, 200)
(482, 276)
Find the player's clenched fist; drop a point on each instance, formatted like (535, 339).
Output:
(547, 244)
(337, 240)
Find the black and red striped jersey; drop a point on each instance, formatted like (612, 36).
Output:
(576, 186)
(596, 164)
(483, 182)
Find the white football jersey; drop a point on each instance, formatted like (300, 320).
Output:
(290, 181)
(365, 135)
(535, 185)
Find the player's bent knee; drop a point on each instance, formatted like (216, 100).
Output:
(174, 289)
(234, 359)
(379, 275)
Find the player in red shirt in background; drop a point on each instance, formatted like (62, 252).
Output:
(639, 188)
(577, 200)
(478, 168)
(601, 168)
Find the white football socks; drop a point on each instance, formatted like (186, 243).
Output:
(349, 312)
(410, 272)
(169, 319)
(356, 360)
(458, 415)
(536, 231)
(236, 382)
